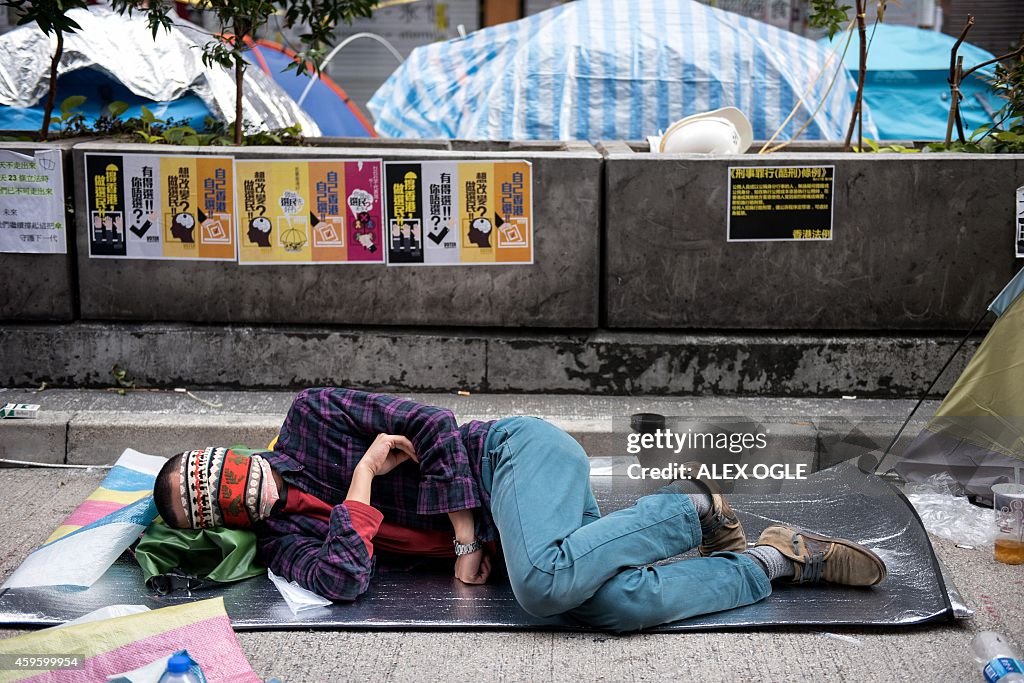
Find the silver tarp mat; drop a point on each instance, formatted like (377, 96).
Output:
(163, 69)
(411, 593)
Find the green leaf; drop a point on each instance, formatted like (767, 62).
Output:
(147, 116)
(148, 138)
(178, 134)
(828, 15)
(116, 108)
(121, 377)
(66, 24)
(71, 103)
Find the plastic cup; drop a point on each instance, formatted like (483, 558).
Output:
(1009, 514)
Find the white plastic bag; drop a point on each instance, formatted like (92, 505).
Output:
(297, 597)
(947, 514)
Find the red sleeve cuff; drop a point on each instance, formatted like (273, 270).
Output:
(365, 520)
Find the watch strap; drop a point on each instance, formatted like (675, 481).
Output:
(465, 548)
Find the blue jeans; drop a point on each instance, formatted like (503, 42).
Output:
(564, 558)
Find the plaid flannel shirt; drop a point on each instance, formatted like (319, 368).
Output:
(324, 436)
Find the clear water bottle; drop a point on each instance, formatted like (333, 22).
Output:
(996, 657)
(178, 670)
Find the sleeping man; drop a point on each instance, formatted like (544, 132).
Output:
(354, 473)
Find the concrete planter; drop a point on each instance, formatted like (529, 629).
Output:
(40, 286)
(920, 242)
(559, 290)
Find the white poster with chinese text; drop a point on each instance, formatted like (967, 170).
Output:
(32, 219)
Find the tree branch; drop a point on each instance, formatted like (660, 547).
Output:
(1009, 55)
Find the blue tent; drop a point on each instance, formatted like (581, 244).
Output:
(326, 102)
(606, 69)
(906, 84)
(100, 89)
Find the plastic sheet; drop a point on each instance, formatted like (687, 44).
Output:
(98, 531)
(946, 513)
(612, 70)
(111, 647)
(154, 671)
(416, 593)
(161, 69)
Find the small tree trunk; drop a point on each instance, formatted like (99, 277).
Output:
(956, 102)
(51, 97)
(956, 68)
(857, 119)
(239, 76)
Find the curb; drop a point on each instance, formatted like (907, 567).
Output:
(815, 433)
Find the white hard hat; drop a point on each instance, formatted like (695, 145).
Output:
(722, 131)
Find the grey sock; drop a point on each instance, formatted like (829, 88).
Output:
(701, 503)
(698, 495)
(775, 564)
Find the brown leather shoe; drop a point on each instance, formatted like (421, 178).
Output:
(825, 558)
(720, 530)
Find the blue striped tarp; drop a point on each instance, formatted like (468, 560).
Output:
(606, 69)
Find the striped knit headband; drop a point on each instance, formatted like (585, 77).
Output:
(220, 487)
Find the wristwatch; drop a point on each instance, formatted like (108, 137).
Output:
(465, 548)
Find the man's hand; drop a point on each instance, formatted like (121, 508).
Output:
(473, 568)
(387, 452)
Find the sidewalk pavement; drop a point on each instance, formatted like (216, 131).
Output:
(93, 427)
(38, 499)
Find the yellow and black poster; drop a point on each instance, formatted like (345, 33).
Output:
(150, 206)
(780, 203)
(449, 213)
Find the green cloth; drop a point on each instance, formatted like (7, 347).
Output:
(218, 555)
(191, 558)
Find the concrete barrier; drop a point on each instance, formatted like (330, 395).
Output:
(40, 286)
(920, 242)
(561, 288)
(492, 361)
